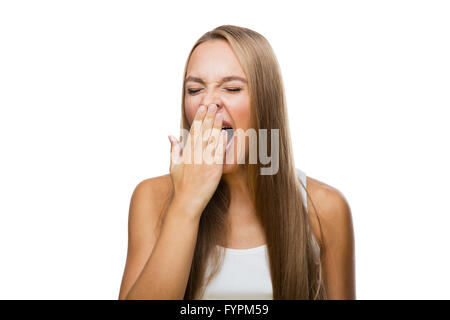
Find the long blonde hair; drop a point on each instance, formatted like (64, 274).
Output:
(294, 268)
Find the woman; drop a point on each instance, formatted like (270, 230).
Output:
(223, 230)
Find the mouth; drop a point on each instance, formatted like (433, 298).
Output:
(230, 133)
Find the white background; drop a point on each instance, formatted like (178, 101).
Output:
(89, 91)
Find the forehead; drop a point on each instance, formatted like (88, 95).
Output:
(213, 60)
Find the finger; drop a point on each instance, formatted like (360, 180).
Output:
(195, 130)
(174, 150)
(207, 124)
(172, 155)
(188, 141)
(215, 133)
(213, 139)
(220, 149)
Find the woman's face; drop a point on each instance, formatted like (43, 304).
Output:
(209, 64)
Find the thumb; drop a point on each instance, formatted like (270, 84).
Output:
(174, 149)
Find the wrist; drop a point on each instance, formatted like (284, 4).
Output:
(187, 208)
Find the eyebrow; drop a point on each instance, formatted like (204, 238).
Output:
(225, 79)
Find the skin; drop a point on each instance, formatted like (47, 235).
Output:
(211, 61)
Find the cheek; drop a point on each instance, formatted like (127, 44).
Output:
(242, 115)
(190, 111)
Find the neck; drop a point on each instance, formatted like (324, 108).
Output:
(237, 181)
(241, 205)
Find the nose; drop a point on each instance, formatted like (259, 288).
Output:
(218, 105)
(212, 97)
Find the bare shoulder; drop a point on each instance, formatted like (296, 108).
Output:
(147, 204)
(160, 183)
(337, 240)
(332, 209)
(152, 194)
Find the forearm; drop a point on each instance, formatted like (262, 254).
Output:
(166, 272)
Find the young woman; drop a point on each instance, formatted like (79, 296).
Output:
(224, 230)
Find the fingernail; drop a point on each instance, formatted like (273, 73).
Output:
(202, 109)
(212, 108)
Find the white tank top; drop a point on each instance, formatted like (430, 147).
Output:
(245, 273)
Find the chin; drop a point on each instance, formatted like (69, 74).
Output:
(233, 153)
(232, 166)
(229, 168)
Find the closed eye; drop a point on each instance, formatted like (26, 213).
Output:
(192, 91)
(235, 89)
